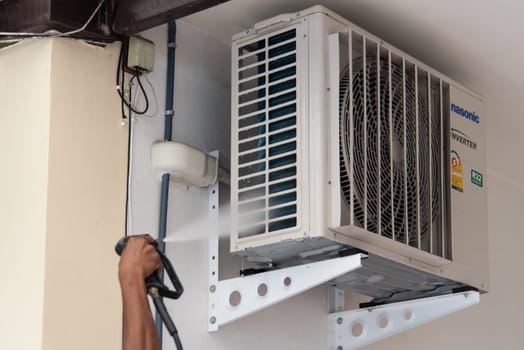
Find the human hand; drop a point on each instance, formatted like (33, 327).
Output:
(139, 259)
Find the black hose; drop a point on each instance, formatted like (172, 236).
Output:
(168, 322)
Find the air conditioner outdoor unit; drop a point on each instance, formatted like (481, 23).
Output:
(342, 143)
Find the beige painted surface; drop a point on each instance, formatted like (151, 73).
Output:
(62, 186)
(24, 134)
(87, 157)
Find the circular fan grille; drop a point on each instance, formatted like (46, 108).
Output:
(393, 203)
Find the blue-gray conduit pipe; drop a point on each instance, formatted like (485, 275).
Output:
(168, 135)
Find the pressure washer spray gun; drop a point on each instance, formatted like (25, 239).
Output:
(157, 290)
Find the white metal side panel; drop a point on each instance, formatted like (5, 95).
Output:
(334, 214)
(320, 26)
(468, 187)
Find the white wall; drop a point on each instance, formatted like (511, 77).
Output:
(202, 118)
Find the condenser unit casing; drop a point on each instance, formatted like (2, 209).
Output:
(342, 143)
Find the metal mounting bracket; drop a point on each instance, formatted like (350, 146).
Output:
(235, 298)
(232, 299)
(357, 328)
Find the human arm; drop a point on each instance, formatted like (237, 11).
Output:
(138, 261)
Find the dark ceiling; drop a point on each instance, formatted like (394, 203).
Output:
(128, 16)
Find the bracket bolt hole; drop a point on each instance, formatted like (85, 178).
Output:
(383, 321)
(262, 289)
(287, 281)
(407, 315)
(235, 298)
(357, 329)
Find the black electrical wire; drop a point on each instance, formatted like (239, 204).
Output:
(122, 105)
(126, 233)
(121, 70)
(128, 171)
(129, 143)
(117, 80)
(146, 99)
(120, 73)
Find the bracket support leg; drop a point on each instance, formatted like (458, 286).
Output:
(357, 328)
(235, 298)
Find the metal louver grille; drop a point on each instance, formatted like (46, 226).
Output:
(267, 134)
(392, 146)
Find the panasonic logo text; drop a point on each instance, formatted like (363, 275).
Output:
(465, 113)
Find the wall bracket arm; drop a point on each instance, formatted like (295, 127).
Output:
(256, 292)
(357, 328)
(232, 299)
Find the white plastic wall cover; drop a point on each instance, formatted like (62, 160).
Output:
(187, 164)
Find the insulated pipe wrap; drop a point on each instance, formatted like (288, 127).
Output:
(168, 134)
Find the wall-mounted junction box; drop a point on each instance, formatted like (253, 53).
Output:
(140, 54)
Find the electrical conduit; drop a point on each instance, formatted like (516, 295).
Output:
(168, 135)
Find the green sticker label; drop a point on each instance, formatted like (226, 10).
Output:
(476, 178)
